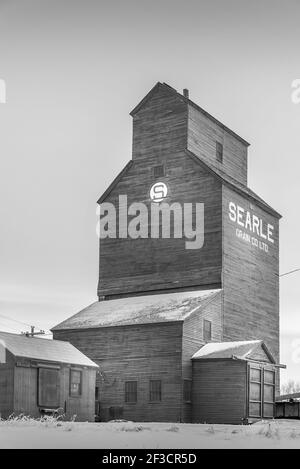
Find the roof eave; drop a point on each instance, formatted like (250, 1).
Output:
(114, 183)
(265, 206)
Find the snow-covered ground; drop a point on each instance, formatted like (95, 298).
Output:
(53, 434)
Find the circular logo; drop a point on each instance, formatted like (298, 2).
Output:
(158, 192)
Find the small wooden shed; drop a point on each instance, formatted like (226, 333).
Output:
(233, 383)
(40, 376)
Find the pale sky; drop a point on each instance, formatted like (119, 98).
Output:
(74, 70)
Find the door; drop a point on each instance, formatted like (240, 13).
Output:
(48, 387)
(261, 392)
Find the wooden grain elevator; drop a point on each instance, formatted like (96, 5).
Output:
(159, 303)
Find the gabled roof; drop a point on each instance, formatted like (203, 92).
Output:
(218, 173)
(239, 349)
(168, 307)
(115, 182)
(43, 349)
(169, 88)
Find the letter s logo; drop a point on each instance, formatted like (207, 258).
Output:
(158, 192)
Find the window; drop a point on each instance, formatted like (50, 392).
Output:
(219, 152)
(159, 171)
(48, 387)
(187, 390)
(206, 330)
(155, 390)
(75, 383)
(131, 392)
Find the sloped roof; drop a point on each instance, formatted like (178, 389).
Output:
(188, 101)
(234, 184)
(218, 173)
(148, 309)
(238, 349)
(225, 178)
(44, 349)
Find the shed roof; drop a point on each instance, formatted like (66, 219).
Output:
(44, 349)
(240, 349)
(148, 309)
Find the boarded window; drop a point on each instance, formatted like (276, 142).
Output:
(48, 387)
(155, 390)
(75, 383)
(219, 152)
(187, 390)
(206, 330)
(159, 171)
(131, 392)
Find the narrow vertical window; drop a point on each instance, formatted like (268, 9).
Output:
(130, 392)
(187, 390)
(155, 390)
(75, 383)
(206, 330)
(159, 171)
(219, 152)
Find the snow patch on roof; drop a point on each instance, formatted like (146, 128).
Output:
(44, 349)
(227, 349)
(139, 310)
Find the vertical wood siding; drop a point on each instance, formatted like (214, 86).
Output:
(192, 340)
(219, 391)
(135, 353)
(141, 265)
(159, 127)
(202, 137)
(7, 386)
(26, 392)
(250, 281)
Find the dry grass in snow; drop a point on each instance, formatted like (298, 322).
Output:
(52, 433)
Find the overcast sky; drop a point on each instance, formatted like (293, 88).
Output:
(74, 70)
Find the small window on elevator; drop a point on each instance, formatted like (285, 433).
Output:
(219, 152)
(206, 330)
(159, 171)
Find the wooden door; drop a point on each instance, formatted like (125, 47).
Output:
(268, 393)
(48, 387)
(261, 392)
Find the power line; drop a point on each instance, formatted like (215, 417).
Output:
(15, 320)
(290, 272)
(14, 330)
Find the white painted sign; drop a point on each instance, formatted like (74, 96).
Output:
(251, 228)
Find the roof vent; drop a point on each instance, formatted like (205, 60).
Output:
(186, 93)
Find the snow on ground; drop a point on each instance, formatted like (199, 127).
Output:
(53, 434)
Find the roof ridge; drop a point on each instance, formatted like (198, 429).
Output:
(187, 101)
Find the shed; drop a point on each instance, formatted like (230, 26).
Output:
(145, 344)
(39, 376)
(233, 382)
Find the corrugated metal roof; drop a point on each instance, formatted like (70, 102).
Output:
(138, 310)
(239, 349)
(44, 349)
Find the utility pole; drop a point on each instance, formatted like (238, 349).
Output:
(32, 333)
